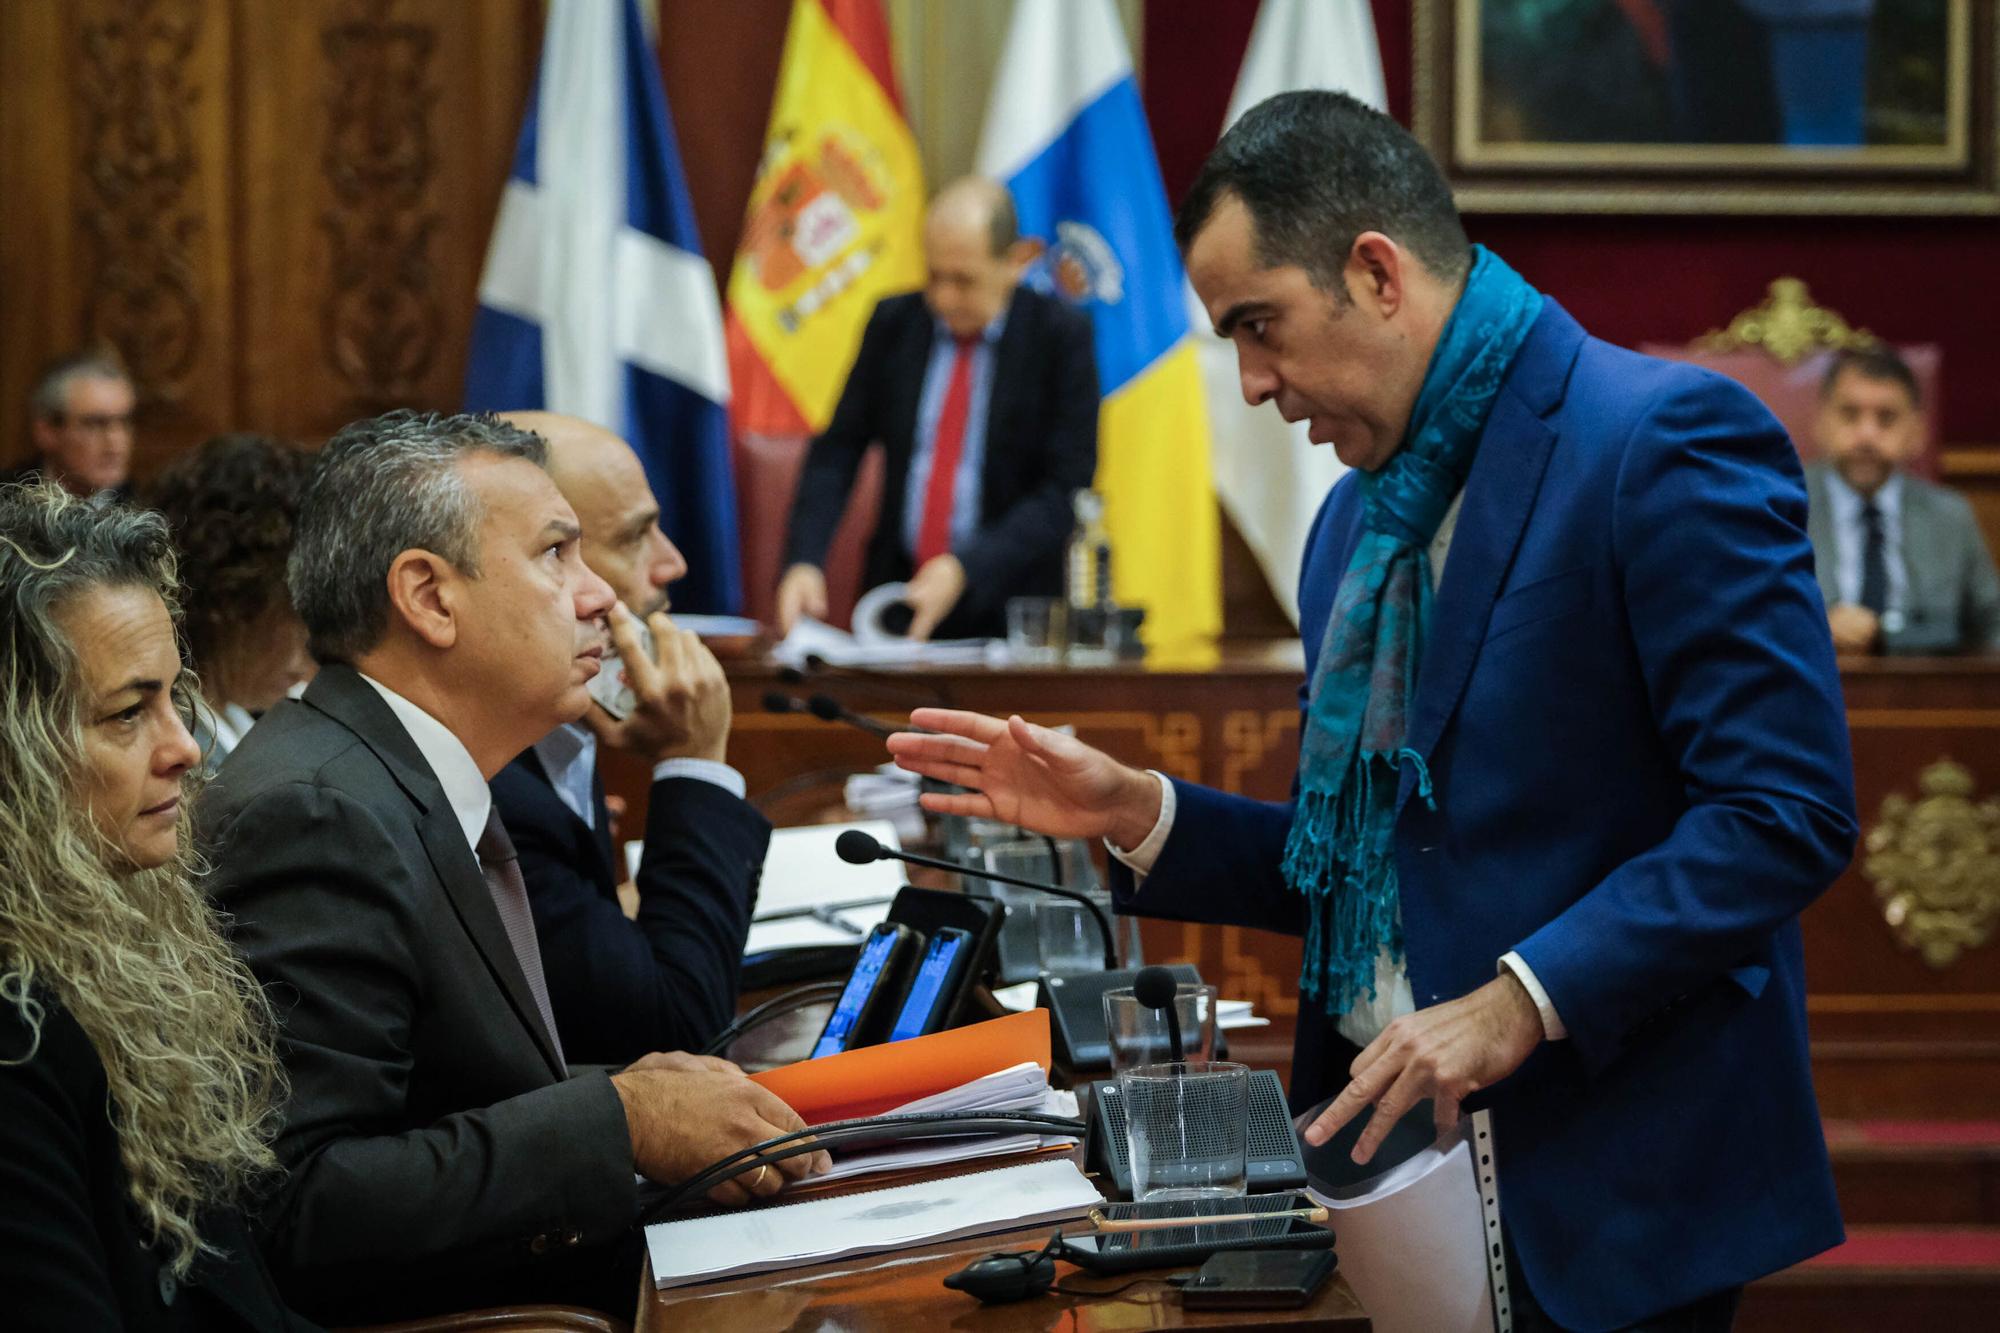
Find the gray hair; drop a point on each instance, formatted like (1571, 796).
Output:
(49, 400)
(381, 487)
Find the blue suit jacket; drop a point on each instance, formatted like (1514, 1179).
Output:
(1630, 712)
(667, 981)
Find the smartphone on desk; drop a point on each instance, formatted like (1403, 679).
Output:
(934, 992)
(1236, 1225)
(874, 991)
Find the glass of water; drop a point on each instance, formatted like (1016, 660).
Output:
(1187, 1129)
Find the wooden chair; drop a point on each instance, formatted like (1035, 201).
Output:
(767, 473)
(1780, 350)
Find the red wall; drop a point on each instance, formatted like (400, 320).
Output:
(1636, 278)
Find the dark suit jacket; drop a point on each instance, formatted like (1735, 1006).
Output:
(73, 1254)
(1041, 445)
(1953, 589)
(438, 1159)
(667, 981)
(1631, 718)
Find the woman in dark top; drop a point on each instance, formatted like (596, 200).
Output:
(137, 1079)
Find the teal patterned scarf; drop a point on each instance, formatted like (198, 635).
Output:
(1341, 852)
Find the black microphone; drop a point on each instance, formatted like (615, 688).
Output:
(829, 709)
(777, 702)
(1154, 987)
(874, 682)
(858, 848)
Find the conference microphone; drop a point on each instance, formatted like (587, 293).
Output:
(829, 709)
(1154, 987)
(858, 848)
(776, 701)
(875, 682)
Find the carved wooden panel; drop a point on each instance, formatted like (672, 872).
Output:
(374, 143)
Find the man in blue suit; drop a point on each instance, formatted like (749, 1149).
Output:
(1573, 756)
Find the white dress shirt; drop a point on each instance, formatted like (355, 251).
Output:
(450, 762)
(221, 731)
(1393, 998)
(569, 757)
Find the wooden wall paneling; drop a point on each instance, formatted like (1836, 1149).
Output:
(376, 135)
(38, 231)
(118, 222)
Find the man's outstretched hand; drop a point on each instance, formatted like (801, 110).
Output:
(1446, 1052)
(1024, 774)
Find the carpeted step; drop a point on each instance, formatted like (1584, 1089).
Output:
(1917, 1172)
(1937, 1279)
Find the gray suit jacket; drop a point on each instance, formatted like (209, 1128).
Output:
(436, 1157)
(1954, 592)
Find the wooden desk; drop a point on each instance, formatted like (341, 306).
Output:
(905, 1290)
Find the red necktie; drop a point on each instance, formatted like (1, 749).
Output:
(934, 532)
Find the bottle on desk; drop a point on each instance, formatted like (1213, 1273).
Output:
(1089, 583)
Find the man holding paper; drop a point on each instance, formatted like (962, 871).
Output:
(1572, 753)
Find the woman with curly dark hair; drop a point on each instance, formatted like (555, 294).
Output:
(230, 504)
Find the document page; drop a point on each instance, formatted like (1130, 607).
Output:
(760, 1240)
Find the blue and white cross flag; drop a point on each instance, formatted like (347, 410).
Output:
(596, 301)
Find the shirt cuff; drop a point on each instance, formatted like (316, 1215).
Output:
(1141, 858)
(702, 770)
(1552, 1024)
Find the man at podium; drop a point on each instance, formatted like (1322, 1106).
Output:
(1572, 756)
(983, 394)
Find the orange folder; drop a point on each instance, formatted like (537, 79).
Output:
(876, 1079)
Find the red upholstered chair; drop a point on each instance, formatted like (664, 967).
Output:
(1780, 350)
(767, 473)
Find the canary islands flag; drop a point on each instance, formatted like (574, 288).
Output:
(834, 221)
(596, 302)
(1067, 133)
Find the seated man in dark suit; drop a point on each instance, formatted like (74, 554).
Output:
(667, 980)
(983, 393)
(1901, 561)
(441, 1153)
(81, 422)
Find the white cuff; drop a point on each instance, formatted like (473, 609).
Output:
(1552, 1024)
(1141, 858)
(702, 770)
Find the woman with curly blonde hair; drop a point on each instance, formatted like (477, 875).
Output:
(137, 1075)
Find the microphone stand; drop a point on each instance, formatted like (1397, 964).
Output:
(938, 863)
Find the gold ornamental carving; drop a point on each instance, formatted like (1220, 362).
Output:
(1788, 326)
(1935, 865)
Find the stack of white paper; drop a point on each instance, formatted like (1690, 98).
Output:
(1024, 1087)
(809, 896)
(760, 1240)
(1413, 1243)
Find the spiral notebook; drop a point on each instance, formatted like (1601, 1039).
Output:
(764, 1240)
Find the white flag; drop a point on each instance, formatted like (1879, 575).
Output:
(1268, 476)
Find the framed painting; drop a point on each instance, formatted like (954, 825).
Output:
(1748, 106)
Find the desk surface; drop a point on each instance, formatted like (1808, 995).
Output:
(905, 1289)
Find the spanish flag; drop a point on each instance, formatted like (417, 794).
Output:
(834, 224)
(1065, 130)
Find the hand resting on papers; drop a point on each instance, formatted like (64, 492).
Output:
(688, 1111)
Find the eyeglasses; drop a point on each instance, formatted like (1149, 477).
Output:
(101, 424)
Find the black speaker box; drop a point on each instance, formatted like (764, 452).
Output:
(1075, 1001)
(1276, 1157)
